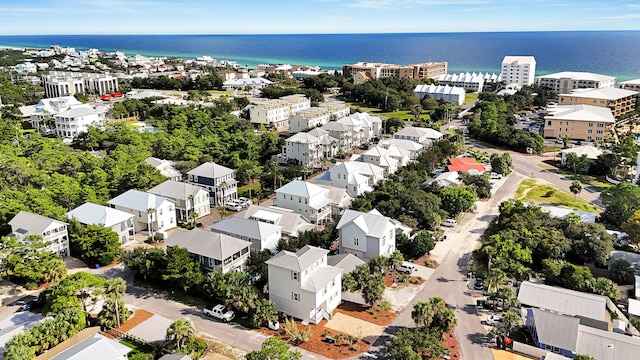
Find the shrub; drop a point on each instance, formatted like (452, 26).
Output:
(385, 305)
(431, 263)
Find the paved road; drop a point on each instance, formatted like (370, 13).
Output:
(449, 279)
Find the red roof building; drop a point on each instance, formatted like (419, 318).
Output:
(465, 164)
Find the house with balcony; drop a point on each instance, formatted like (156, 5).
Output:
(336, 109)
(303, 285)
(373, 172)
(291, 223)
(364, 127)
(192, 202)
(366, 235)
(347, 176)
(328, 145)
(309, 200)
(303, 148)
(120, 222)
(152, 213)
(342, 133)
(275, 113)
(77, 119)
(53, 232)
(217, 180)
(578, 122)
(215, 251)
(620, 101)
(381, 157)
(307, 119)
(262, 235)
(565, 81)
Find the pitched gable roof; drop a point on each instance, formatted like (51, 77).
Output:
(94, 214)
(206, 243)
(175, 190)
(564, 301)
(299, 260)
(33, 223)
(370, 223)
(138, 200)
(210, 170)
(301, 188)
(248, 228)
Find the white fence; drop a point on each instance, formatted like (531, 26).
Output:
(529, 350)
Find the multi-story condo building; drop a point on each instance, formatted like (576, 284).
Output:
(216, 179)
(341, 132)
(308, 119)
(364, 127)
(120, 222)
(430, 70)
(336, 109)
(633, 85)
(61, 83)
(470, 82)
(306, 199)
(53, 232)
(77, 119)
(304, 148)
(274, 113)
(519, 70)
(566, 81)
(578, 122)
(303, 285)
(446, 93)
(620, 101)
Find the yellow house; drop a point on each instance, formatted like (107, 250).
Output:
(620, 101)
(578, 122)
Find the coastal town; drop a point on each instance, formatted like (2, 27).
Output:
(169, 208)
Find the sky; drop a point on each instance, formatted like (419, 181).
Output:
(53, 17)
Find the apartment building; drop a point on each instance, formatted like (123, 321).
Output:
(519, 70)
(275, 113)
(376, 70)
(566, 81)
(307, 119)
(633, 85)
(470, 82)
(578, 122)
(63, 83)
(620, 101)
(446, 93)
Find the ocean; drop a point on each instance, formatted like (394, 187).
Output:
(613, 53)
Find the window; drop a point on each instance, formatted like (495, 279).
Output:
(549, 122)
(356, 241)
(590, 124)
(295, 296)
(600, 125)
(589, 131)
(294, 275)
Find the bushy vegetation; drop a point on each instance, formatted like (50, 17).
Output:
(27, 263)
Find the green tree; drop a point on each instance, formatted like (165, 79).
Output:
(378, 264)
(456, 200)
(256, 263)
(415, 344)
(632, 227)
(95, 244)
(577, 164)
(621, 201)
(576, 188)
(481, 183)
(583, 357)
(264, 311)
(180, 333)
(274, 349)
(26, 262)
(501, 164)
(605, 287)
(422, 243)
(395, 260)
(621, 271)
(115, 309)
(373, 289)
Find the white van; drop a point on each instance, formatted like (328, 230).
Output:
(449, 223)
(406, 267)
(495, 176)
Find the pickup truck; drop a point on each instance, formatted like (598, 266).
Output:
(219, 312)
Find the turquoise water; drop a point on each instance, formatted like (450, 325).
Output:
(613, 53)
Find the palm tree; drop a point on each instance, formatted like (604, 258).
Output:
(151, 212)
(576, 188)
(422, 314)
(264, 312)
(116, 287)
(223, 186)
(395, 260)
(192, 207)
(181, 332)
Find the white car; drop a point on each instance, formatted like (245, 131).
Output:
(450, 223)
(495, 176)
(493, 320)
(234, 206)
(406, 267)
(219, 312)
(245, 201)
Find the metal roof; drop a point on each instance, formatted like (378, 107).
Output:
(211, 170)
(96, 347)
(563, 301)
(138, 200)
(601, 344)
(33, 223)
(346, 262)
(291, 223)
(319, 278)
(176, 190)
(94, 214)
(301, 188)
(299, 260)
(580, 112)
(206, 243)
(246, 228)
(370, 223)
(556, 330)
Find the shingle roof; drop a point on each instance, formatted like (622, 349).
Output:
(563, 301)
(301, 188)
(370, 223)
(556, 330)
(33, 223)
(299, 260)
(138, 200)
(207, 243)
(247, 228)
(175, 190)
(94, 214)
(96, 347)
(211, 170)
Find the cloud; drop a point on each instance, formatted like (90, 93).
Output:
(623, 17)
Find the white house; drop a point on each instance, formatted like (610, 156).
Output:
(53, 232)
(380, 156)
(328, 145)
(374, 172)
(308, 119)
(412, 147)
(341, 132)
(346, 176)
(189, 199)
(336, 109)
(262, 235)
(403, 156)
(152, 213)
(42, 117)
(97, 346)
(120, 222)
(519, 70)
(216, 179)
(304, 148)
(165, 167)
(302, 285)
(470, 82)
(340, 199)
(364, 127)
(418, 134)
(291, 223)
(77, 119)
(214, 251)
(440, 92)
(366, 235)
(306, 199)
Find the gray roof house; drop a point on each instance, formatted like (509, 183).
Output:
(303, 285)
(151, 212)
(291, 223)
(366, 235)
(165, 167)
(53, 232)
(346, 262)
(187, 197)
(120, 222)
(96, 347)
(216, 179)
(261, 234)
(215, 251)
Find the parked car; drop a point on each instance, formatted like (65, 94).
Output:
(406, 267)
(234, 205)
(443, 237)
(479, 284)
(495, 176)
(493, 320)
(220, 312)
(450, 223)
(245, 202)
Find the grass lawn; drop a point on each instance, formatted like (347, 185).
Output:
(139, 350)
(132, 124)
(401, 114)
(186, 299)
(531, 191)
(469, 97)
(221, 92)
(244, 190)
